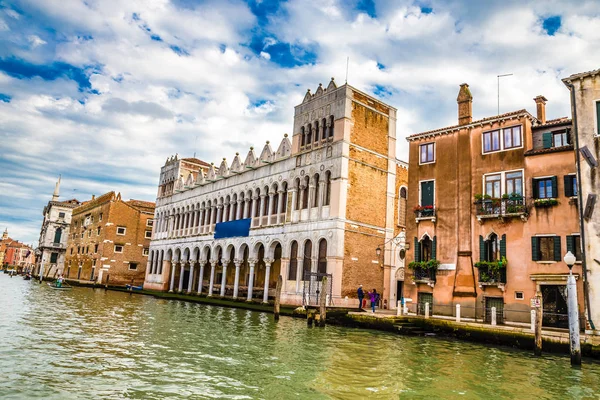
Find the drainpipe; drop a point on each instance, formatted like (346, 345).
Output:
(586, 294)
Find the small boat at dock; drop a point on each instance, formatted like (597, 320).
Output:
(62, 287)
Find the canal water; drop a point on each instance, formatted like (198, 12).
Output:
(85, 343)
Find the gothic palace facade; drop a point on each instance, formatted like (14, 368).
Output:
(324, 202)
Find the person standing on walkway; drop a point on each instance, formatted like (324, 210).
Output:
(373, 297)
(361, 296)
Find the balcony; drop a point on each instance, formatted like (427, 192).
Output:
(424, 271)
(423, 213)
(501, 208)
(492, 273)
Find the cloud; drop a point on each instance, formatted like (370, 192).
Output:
(103, 92)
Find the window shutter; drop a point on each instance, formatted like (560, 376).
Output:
(598, 118)
(589, 206)
(434, 248)
(535, 189)
(547, 140)
(534, 249)
(554, 187)
(481, 249)
(417, 250)
(570, 244)
(557, 254)
(503, 246)
(568, 180)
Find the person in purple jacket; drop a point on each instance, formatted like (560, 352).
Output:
(374, 297)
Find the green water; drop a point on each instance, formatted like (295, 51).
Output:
(84, 344)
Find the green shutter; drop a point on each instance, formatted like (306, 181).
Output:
(554, 187)
(568, 180)
(557, 254)
(481, 249)
(503, 246)
(434, 248)
(417, 250)
(570, 244)
(534, 249)
(427, 193)
(547, 140)
(535, 189)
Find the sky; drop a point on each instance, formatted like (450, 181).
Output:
(101, 92)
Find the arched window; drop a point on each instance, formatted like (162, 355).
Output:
(323, 129)
(266, 201)
(327, 188)
(57, 235)
(331, 126)
(322, 264)
(292, 273)
(284, 197)
(309, 134)
(426, 247)
(492, 248)
(316, 138)
(306, 267)
(297, 205)
(302, 137)
(402, 201)
(305, 194)
(316, 199)
(275, 204)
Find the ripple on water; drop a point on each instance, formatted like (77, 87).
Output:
(96, 344)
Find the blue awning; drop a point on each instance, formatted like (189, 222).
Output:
(233, 229)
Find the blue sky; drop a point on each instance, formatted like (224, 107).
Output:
(103, 91)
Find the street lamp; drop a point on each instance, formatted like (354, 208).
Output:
(378, 251)
(573, 311)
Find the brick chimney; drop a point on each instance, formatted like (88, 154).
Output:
(540, 102)
(465, 105)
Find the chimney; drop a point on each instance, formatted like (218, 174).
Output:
(540, 102)
(93, 197)
(465, 105)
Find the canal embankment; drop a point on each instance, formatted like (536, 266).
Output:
(553, 341)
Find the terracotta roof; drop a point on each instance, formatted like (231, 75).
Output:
(479, 121)
(549, 150)
(581, 75)
(196, 161)
(87, 205)
(554, 122)
(141, 204)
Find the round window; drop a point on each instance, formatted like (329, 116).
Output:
(402, 254)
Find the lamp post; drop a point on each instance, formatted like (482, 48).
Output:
(573, 311)
(378, 252)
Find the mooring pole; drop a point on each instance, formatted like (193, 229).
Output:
(106, 286)
(573, 320)
(323, 301)
(277, 298)
(310, 314)
(538, 322)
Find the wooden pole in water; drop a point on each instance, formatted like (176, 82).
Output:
(277, 298)
(106, 286)
(538, 322)
(310, 315)
(323, 305)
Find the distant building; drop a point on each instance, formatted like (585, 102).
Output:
(54, 234)
(320, 203)
(109, 236)
(501, 188)
(14, 254)
(585, 99)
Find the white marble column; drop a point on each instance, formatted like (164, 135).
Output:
(219, 213)
(267, 276)
(191, 278)
(270, 210)
(251, 264)
(321, 199)
(232, 210)
(299, 269)
(201, 276)
(224, 276)
(182, 270)
(213, 265)
(172, 283)
(236, 282)
(301, 203)
(261, 212)
(246, 208)
(294, 197)
(239, 209)
(279, 207)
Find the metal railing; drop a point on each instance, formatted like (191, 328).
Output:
(424, 274)
(500, 207)
(425, 213)
(487, 275)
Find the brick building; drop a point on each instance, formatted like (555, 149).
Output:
(495, 211)
(322, 203)
(14, 254)
(109, 236)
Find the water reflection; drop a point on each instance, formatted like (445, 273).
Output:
(95, 344)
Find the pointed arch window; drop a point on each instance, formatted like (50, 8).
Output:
(402, 203)
(309, 134)
(327, 188)
(322, 263)
(293, 269)
(323, 129)
(306, 265)
(302, 137)
(305, 193)
(331, 126)
(317, 193)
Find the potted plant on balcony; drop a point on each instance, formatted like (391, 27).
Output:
(423, 211)
(543, 203)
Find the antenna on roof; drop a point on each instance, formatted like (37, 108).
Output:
(500, 76)
(347, 63)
